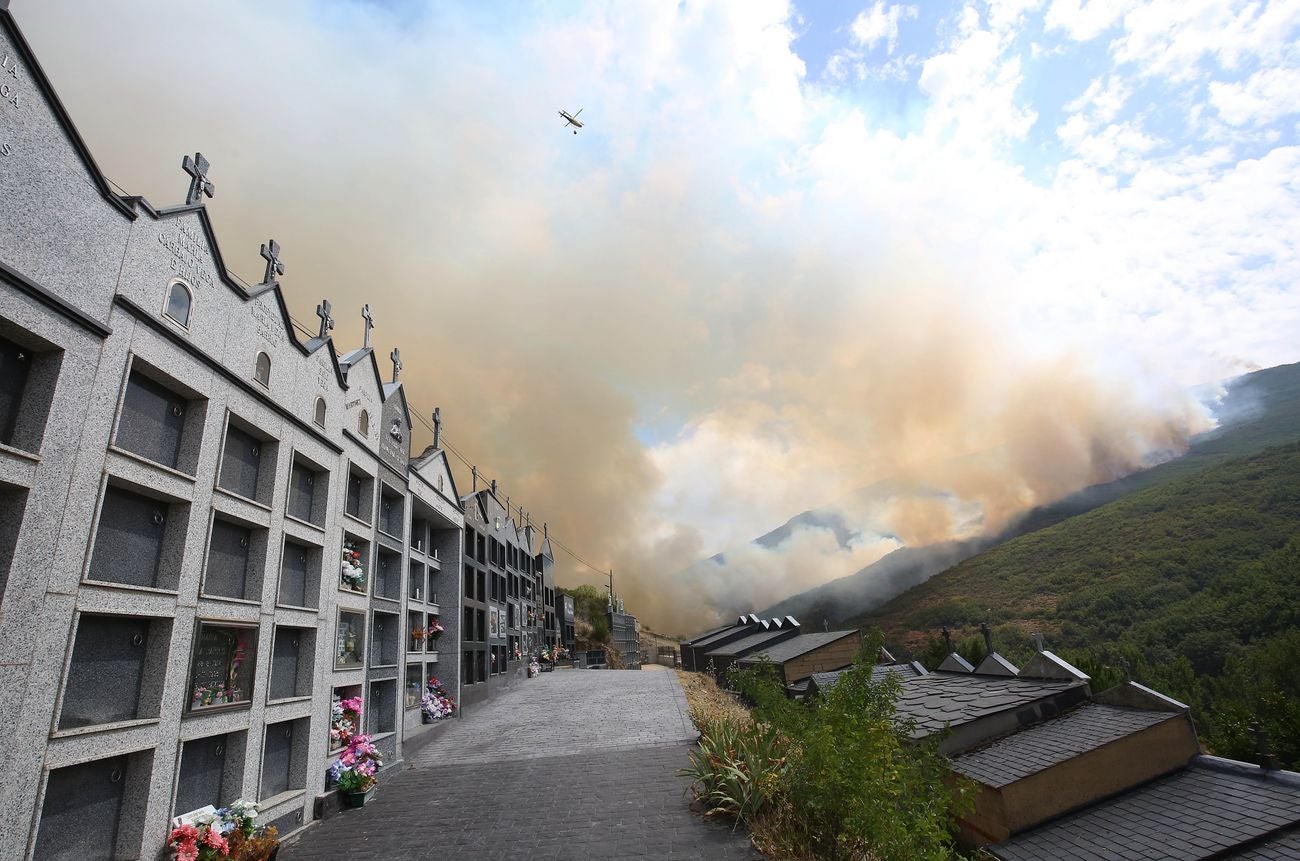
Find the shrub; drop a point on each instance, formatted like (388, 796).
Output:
(850, 783)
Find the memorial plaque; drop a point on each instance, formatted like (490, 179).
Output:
(349, 649)
(221, 670)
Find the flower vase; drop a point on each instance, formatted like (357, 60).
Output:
(357, 799)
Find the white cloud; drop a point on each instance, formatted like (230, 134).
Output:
(879, 23)
(1264, 97)
(1084, 20)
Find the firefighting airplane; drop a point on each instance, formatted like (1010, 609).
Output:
(572, 120)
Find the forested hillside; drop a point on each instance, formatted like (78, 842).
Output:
(1193, 584)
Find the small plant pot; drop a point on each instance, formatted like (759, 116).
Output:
(357, 799)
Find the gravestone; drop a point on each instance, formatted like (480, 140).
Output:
(202, 774)
(152, 420)
(227, 573)
(240, 463)
(382, 707)
(83, 805)
(104, 676)
(285, 658)
(302, 489)
(387, 582)
(128, 543)
(277, 758)
(295, 577)
(15, 365)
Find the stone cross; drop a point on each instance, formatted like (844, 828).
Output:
(326, 321)
(274, 265)
(1038, 641)
(474, 471)
(947, 638)
(396, 356)
(988, 637)
(370, 324)
(437, 427)
(197, 168)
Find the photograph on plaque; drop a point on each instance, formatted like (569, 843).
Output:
(350, 640)
(494, 623)
(222, 666)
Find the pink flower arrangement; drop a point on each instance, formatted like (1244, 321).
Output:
(345, 717)
(356, 767)
(435, 629)
(198, 844)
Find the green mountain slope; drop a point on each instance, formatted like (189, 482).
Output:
(1194, 583)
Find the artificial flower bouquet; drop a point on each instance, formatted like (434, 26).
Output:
(352, 572)
(345, 717)
(435, 630)
(354, 771)
(437, 703)
(230, 832)
(418, 635)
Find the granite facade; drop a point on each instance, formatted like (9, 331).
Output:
(181, 470)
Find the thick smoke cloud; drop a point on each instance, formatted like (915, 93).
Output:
(728, 300)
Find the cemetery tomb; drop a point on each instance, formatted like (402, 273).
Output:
(105, 676)
(152, 420)
(350, 639)
(386, 642)
(222, 665)
(291, 662)
(299, 575)
(308, 491)
(211, 772)
(244, 457)
(83, 809)
(133, 532)
(234, 566)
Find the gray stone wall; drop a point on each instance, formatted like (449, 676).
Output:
(116, 604)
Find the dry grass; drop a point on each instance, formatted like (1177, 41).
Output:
(707, 702)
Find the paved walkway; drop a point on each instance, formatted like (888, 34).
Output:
(568, 766)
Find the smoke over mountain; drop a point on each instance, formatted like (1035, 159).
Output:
(740, 292)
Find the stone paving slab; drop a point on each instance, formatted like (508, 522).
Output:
(569, 766)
